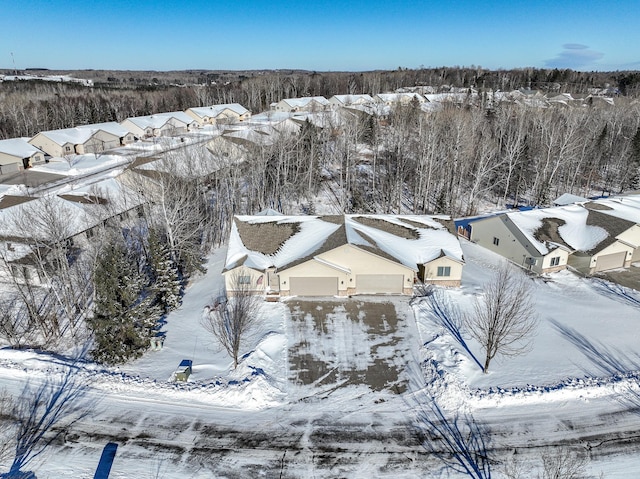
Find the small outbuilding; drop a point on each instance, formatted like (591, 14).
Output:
(184, 370)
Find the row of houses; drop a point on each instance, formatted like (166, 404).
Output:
(427, 98)
(589, 236)
(319, 103)
(21, 153)
(345, 255)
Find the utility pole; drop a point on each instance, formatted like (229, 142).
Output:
(15, 70)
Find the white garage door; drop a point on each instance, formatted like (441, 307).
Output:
(611, 261)
(313, 286)
(379, 283)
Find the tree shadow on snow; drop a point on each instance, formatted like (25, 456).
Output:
(436, 305)
(607, 360)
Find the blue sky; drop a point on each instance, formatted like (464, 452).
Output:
(319, 35)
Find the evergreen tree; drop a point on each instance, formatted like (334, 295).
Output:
(165, 280)
(124, 313)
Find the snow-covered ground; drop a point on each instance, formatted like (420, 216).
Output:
(329, 390)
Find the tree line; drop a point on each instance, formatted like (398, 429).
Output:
(28, 107)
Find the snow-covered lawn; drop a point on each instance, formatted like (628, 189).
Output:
(322, 381)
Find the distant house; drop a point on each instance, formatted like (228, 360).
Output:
(568, 199)
(17, 154)
(341, 255)
(349, 100)
(227, 113)
(549, 239)
(82, 139)
(391, 99)
(307, 103)
(160, 124)
(30, 227)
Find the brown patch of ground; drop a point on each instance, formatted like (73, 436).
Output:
(346, 342)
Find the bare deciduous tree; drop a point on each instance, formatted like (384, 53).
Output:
(563, 464)
(231, 321)
(503, 320)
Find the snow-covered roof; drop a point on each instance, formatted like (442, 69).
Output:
(158, 120)
(75, 136)
(37, 219)
(576, 227)
(569, 199)
(397, 97)
(81, 134)
(214, 110)
(349, 99)
(68, 212)
(624, 207)
(112, 127)
(270, 117)
(19, 147)
(261, 242)
(304, 101)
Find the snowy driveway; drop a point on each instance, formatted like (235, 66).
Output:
(337, 343)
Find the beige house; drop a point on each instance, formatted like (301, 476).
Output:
(391, 99)
(341, 255)
(226, 113)
(160, 124)
(350, 100)
(80, 140)
(17, 154)
(307, 103)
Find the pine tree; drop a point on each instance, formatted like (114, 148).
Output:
(165, 279)
(124, 313)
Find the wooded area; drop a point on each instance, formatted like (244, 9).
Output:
(458, 159)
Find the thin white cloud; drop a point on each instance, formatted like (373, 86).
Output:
(574, 56)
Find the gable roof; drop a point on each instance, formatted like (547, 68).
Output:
(349, 99)
(214, 110)
(18, 147)
(625, 207)
(304, 101)
(158, 120)
(575, 227)
(262, 242)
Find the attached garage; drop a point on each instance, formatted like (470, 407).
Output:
(315, 286)
(379, 283)
(610, 261)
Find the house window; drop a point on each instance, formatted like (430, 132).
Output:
(555, 261)
(444, 270)
(67, 148)
(244, 279)
(496, 241)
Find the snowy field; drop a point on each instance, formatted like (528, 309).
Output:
(328, 388)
